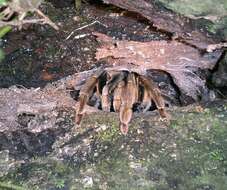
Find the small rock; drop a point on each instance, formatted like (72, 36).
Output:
(86, 49)
(76, 18)
(87, 182)
(134, 165)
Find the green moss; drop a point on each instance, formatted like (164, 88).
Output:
(108, 126)
(10, 186)
(196, 7)
(215, 11)
(39, 174)
(109, 134)
(190, 154)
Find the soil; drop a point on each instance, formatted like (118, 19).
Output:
(37, 55)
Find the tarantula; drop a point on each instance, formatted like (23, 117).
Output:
(123, 89)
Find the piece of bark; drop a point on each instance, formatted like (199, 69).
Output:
(181, 61)
(38, 103)
(182, 28)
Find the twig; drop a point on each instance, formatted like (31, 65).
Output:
(19, 23)
(46, 19)
(82, 27)
(81, 36)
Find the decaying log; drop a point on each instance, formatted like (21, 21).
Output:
(182, 28)
(181, 61)
(38, 102)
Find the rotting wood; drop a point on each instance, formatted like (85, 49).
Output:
(182, 28)
(16, 101)
(181, 61)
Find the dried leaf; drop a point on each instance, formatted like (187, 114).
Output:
(22, 6)
(181, 61)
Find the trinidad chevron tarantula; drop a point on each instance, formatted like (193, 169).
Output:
(122, 88)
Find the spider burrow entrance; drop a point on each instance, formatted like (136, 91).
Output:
(120, 91)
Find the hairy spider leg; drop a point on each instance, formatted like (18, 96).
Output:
(117, 96)
(105, 98)
(128, 98)
(146, 100)
(85, 92)
(115, 79)
(111, 84)
(155, 95)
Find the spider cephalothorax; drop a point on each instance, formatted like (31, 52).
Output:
(121, 89)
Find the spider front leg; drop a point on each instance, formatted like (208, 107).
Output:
(105, 99)
(155, 94)
(85, 93)
(146, 101)
(117, 96)
(112, 83)
(129, 96)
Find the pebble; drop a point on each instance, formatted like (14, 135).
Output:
(87, 182)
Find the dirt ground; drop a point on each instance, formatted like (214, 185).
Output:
(38, 54)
